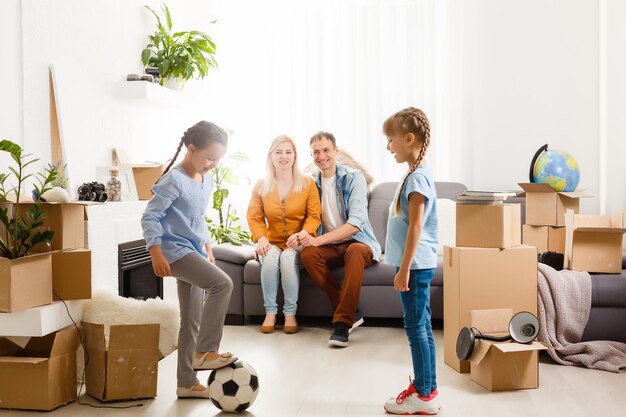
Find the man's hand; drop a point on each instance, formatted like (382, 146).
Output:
(263, 246)
(307, 240)
(298, 239)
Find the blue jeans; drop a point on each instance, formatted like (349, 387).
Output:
(280, 265)
(416, 309)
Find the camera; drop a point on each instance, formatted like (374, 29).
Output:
(92, 191)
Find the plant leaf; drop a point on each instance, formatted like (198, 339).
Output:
(218, 198)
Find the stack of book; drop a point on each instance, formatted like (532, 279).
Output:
(484, 197)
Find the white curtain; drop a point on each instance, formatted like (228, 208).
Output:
(297, 67)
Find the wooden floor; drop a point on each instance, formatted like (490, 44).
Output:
(300, 375)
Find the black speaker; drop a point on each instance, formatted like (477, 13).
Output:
(523, 328)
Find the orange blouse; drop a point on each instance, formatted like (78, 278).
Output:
(277, 220)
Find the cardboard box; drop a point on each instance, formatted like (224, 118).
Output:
(71, 274)
(545, 206)
(502, 366)
(127, 366)
(544, 238)
(40, 376)
(145, 174)
(25, 282)
(594, 243)
(66, 220)
(145, 177)
(484, 278)
(488, 226)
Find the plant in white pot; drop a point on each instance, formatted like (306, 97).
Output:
(179, 56)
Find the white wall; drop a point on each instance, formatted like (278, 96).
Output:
(615, 105)
(11, 75)
(527, 74)
(92, 46)
(545, 72)
(531, 78)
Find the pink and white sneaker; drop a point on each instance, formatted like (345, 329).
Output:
(409, 402)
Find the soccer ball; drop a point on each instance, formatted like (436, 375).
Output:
(233, 388)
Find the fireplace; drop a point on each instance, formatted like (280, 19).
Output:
(136, 278)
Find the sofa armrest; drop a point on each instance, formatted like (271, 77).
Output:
(234, 254)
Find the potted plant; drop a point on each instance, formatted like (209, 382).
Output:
(20, 231)
(225, 230)
(179, 56)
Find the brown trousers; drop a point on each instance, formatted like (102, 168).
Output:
(355, 256)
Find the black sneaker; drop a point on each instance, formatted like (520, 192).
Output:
(339, 337)
(358, 320)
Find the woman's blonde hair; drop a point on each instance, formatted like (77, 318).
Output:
(269, 182)
(409, 120)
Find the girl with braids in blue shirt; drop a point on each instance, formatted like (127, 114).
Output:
(179, 243)
(411, 247)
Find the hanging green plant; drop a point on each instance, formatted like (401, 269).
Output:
(178, 55)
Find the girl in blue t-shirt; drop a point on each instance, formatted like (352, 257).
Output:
(411, 246)
(179, 243)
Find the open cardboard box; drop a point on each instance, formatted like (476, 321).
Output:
(66, 220)
(488, 226)
(594, 243)
(40, 376)
(502, 366)
(145, 174)
(123, 365)
(480, 278)
(545, 206)
(25, 282)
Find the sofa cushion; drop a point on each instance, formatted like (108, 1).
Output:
(608, 290)
(378, 209)
(234, 254)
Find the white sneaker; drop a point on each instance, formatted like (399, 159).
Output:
(409, 402)
(358, 320)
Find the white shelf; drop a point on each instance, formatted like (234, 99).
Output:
(149, 92)
(40, 321)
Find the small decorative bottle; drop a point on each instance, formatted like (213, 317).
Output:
(114, 187)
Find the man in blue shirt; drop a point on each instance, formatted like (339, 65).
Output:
(345, 238)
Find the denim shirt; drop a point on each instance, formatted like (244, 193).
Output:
(352, 196)
(174, 216)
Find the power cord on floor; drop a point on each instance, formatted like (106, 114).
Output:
(82, 379)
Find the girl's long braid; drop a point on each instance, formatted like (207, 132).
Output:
(414, 121)
(180, 146)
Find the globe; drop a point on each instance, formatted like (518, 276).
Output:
(557, 168)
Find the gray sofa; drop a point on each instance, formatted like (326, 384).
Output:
(378, 297)
(607, 318)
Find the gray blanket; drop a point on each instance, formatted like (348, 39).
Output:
(564, 306)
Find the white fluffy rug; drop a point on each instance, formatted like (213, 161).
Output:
(108, 308)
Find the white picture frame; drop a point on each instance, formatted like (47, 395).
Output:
(126, 177)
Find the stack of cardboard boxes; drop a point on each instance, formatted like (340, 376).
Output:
(590, 243)
(42, 375)
(545, 216)
(488, 269)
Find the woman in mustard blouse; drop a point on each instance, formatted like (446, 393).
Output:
(285, 202)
